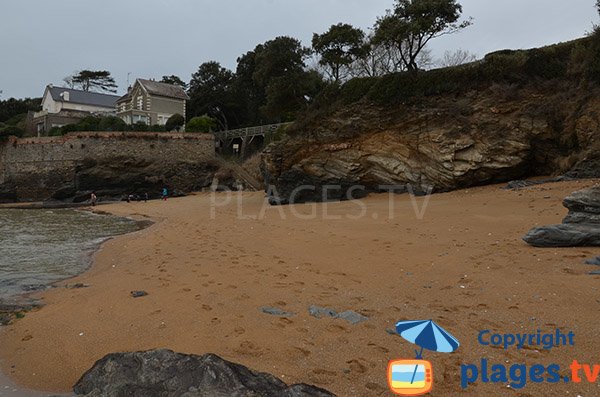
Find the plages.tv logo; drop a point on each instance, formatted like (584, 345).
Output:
(415, 377)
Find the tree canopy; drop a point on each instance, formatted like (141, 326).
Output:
(211, 93)
(201, 124)
(92, 80)
(338, 48)
(413, 23)
(281, 71)
(174, 80)
(270, 84)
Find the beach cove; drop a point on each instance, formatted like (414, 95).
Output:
(209, 270)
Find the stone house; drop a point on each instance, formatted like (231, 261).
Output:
(151, 102)
(62, 106)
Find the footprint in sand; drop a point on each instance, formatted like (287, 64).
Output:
(303, 352)
(322, 376)
(356, 366)
(336, 328)
(284, 322)
(379, 348)
(239, 331)
(248, 348)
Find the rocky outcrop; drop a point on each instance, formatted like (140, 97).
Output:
(440, 144)
(581, 227)
(114, 177)
(10, 311)
(163, 373)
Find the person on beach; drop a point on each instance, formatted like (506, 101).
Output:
(146, 197)
(93, 199)
(165, 193)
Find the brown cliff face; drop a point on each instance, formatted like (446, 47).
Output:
(442, 143)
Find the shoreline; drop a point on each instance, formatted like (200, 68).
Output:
(210, 277)
(8, 387)
(87, 255)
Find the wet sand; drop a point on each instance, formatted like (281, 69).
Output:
(463, 265)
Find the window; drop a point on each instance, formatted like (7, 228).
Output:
(140, 102)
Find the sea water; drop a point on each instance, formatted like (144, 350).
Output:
(38, 247)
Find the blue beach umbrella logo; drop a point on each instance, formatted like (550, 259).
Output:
(427, 335)
(415, 377)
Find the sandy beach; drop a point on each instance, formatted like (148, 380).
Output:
(463, 265)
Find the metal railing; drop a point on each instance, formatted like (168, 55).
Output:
(262, 130)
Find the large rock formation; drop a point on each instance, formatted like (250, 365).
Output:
(581, 227)
(441, 143)
(163, 373)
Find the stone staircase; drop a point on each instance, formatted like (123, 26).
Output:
(240, 173)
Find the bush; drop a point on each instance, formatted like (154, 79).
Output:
(547, 63)
(17, 119)
(203, 124)
(140, 126)
(11, 131)
(56, 131)
(356, 89)
(89, 124)
(112, 123)
(175, 122)
(157, 128)
(70, 128)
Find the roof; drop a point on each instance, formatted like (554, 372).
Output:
(83, 97)
(163, 89)
(124, 97)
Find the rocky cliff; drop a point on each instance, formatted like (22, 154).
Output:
(487, 134)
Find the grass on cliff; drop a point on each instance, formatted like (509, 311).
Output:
(577, 61)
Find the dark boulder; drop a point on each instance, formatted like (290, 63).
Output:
(586, 169)
(593, 261)
(580, 228)
(564, 236)
(162, 373)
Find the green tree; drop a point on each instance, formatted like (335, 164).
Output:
(413, 23)
(338, 48)
(174, 80)
(12, 107)
(280, 70)
(279, 57)
(250, 95)
(201, 124)
(92, 80)
(175, 122)
(211, 93)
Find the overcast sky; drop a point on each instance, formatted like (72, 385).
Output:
(43, 41)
